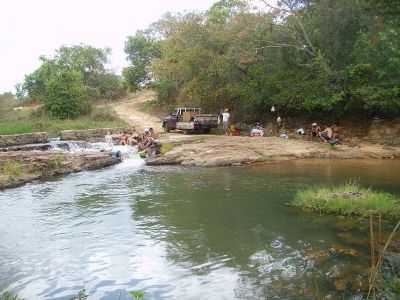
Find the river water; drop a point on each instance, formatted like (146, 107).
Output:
(181, 233)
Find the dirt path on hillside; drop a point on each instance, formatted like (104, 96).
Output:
(130, 110)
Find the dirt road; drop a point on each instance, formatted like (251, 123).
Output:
(130, 111)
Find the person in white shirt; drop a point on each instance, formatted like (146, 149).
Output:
(225, 120)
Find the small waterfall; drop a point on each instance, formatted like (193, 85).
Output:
(125, 152)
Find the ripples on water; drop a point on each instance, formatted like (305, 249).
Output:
(174, 233)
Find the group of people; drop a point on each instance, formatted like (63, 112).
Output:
(328, 135)
(147, 143)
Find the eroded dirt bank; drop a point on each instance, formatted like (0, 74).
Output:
(20, 167)
(207, 151)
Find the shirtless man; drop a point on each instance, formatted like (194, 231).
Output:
(326, 135)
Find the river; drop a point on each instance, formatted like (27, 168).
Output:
(181, 233)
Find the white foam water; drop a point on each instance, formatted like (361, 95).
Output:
(128, 154)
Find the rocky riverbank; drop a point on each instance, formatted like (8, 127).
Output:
(20, 167)
(210, 151)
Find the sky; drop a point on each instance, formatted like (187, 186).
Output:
(29, 29)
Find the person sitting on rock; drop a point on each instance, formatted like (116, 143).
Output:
(108, 138)
(326, 135)
(315, 130)
(124, 139)
(257, 130)
(153, 134)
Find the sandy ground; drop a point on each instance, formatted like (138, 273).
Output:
(212, 150)
(129, 110)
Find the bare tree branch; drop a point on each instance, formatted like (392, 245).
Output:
(292, 13)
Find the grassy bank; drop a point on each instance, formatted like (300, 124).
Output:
(27, 121)
(349, 199)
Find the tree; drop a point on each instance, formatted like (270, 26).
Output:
(81, 63)
(141, 49)
(325, 57)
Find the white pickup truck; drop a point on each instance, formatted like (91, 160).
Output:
(190, 120)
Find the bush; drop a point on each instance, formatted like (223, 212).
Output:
(66, 97)
(104, 114)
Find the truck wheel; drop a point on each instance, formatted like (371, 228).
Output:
(166, 128)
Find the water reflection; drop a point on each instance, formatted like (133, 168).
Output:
(175, 233)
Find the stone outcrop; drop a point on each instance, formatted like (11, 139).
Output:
(90, 134)
(29, 147)
(210, 151)
(23, 139)
(20, 167)
(387, 132)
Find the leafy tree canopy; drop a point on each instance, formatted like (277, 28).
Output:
(303, 56)
(67, 81)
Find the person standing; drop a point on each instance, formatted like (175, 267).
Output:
(225, 121)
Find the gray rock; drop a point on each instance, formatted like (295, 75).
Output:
(23, 139)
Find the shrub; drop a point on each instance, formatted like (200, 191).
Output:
(104, 114)
(66, 97)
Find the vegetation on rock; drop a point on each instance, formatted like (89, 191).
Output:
(349, 199)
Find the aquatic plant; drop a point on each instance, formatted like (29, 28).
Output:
(377, 283)
(9, 296)
(81, 295)
(348, 199)
(137, 295)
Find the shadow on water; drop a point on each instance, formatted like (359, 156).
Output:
(182, 233)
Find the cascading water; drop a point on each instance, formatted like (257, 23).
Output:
(128, 154)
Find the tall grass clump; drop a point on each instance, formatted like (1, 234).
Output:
(348, 199)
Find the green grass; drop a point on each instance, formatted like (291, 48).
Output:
(349, 199)
(12, 169)
(16, 122)
(166, 148)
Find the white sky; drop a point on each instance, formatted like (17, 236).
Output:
(30, 28)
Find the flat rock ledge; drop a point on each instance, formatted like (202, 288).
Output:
(91, 134)
(23, 139)
(212, 151)
(20, 167)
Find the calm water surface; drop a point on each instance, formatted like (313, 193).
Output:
(177, 233)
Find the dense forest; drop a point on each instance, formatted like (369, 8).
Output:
(306, 57)
(326, 57)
